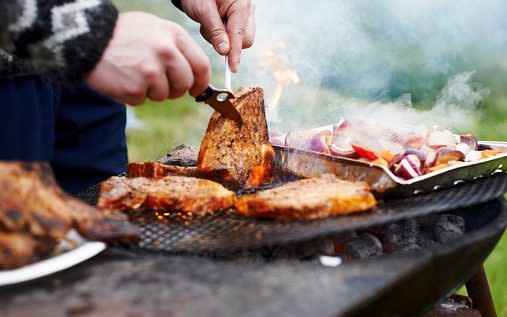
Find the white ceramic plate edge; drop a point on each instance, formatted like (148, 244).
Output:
(52, 265)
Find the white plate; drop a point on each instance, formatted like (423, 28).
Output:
(84, 250)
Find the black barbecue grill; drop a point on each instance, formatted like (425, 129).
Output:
(228, 231)
(230, 265)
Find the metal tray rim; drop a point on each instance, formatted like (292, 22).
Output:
(501, 158)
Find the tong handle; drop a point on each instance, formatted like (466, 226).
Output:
(205, 95)
(211, 94)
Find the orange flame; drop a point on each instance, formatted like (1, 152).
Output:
(275, 60)
(261, 173)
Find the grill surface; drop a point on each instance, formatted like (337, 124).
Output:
(228, 231)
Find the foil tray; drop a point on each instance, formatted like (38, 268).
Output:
(305, 163)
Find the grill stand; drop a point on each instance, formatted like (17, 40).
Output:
(478, 290)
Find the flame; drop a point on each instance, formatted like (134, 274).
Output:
(275, 60)
(262, 173)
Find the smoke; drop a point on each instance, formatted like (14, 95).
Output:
(378, 59)
(455, 108)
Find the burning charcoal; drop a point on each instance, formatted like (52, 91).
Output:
(363, 247)
(426, 241)
(448, 227)
(399, 235)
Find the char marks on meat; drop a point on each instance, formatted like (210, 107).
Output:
(167, 193)
(35, 214)
(311, 198)
(157, 170)
(240, 155)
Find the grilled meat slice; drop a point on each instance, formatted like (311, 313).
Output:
(156, 170)
(102, 225)
(240, 155)
(311, 198)
(31, 201)
(16, 249)
(180, 193)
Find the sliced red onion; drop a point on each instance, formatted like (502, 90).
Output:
(341, 125)
(437, 139)
(319, 142)
(484, 147)
(420, 155)
(395, 162)
(469, 140)
(409, 167)
(473, 156)
(463, 148)
(431, 159)
(414, 141)
(342, 152)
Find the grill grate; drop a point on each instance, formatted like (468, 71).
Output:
(228, 231)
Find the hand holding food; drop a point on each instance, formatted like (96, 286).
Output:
(227, 40)
(149, 57)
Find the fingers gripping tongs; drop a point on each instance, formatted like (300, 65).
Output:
(220, 100)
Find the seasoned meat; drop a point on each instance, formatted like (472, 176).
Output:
(240, 155)
(16, 249)
(33, 208)
(177, 193)
(311, 198)
(156, 170)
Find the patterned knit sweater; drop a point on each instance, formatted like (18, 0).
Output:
(63, 37)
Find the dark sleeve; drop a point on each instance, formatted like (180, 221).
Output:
(65, 37)
(177, 4)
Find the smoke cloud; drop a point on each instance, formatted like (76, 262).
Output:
(378, 59)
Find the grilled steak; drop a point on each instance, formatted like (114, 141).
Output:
(311, 198)
(240, 155)
(16, 249)
(36, 214)
(156, 170)
(177, 193)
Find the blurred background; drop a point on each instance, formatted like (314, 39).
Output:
(420, 62)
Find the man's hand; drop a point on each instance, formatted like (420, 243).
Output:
(149, 57)
(240, 31)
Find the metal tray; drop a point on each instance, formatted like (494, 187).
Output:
(305, 163)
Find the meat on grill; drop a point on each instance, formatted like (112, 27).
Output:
(240, 155)
(177, 193)
(33, 208)
(311, 198)
(156, 170)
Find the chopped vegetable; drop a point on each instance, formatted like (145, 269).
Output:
(365, 152)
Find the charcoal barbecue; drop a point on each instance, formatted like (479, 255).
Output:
(230, 265)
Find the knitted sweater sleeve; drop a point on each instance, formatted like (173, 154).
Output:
(65, 37)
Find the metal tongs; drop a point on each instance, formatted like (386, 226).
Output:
(219, 99)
